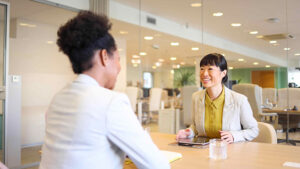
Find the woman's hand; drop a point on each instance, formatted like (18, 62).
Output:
(183, 133)
(226, 136)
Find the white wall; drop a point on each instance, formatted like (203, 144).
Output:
(134, 74)
(163, 78)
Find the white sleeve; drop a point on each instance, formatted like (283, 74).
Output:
(125, 131)
(250, 127)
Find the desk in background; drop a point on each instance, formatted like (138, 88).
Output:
(246, 155)
(287, 113)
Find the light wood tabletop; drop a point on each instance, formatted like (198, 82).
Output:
(239, 155)
(281, 111)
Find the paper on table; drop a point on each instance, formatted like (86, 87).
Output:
(171, 156)
(291, 164)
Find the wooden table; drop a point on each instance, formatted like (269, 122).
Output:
(282, 111)
(246, 155)
(286, 112)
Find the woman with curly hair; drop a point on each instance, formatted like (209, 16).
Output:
(88, 125)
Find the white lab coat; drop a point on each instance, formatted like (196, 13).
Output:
(88, 126)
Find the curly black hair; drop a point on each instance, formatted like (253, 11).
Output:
(215, 59)
(81, 36)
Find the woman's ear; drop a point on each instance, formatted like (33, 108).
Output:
(103, 57)
(224, 72)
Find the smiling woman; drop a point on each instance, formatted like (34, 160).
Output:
(213, 113)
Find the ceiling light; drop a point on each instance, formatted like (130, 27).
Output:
(259, 36)
(253, 32)
(158, 64)
(255, 63)
(268, 66)
(275, 44)
(148, 37)
(123, 32)
(240, 60)
(230, 68)
(236, 24)
(172, 71)
(135, 61)
(273, 41)
(27, 25)
(196, 4)
(195, 48)
(153, 67)
(223, 54)
(195, 62)
(182, 63)
(174, 43)
(143, 53)
(176, 66)
(135, 65)
(173, 58)
(135, 56)
(286, 48)
(161, 60)
(297, 54)
(50, 42)
(218, 14)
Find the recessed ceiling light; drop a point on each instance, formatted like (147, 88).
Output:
(195, 48)
(196, 4)
(135, 65)
(273, 41)
(161, 60)
(153, 67)
(218, 14)
(230, 68)
(123, 32)
(27, 25)
(148, 37)
(173, 58)
(255, 63)
(158, 64)
(143, 53)
(223, 54)
(236, 24)
(50, 42)
(176, 66)
(174, 43)
(172, 71)
(268, 66)
(135, 56)
(253, 32)
(241, 60)
(182, 63)
(297, 54)
(135, 61)
(286, 48)
(259, 36)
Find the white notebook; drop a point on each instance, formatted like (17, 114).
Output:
(171, 156)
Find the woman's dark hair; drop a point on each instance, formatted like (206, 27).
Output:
(215, 59)
(81, 36)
